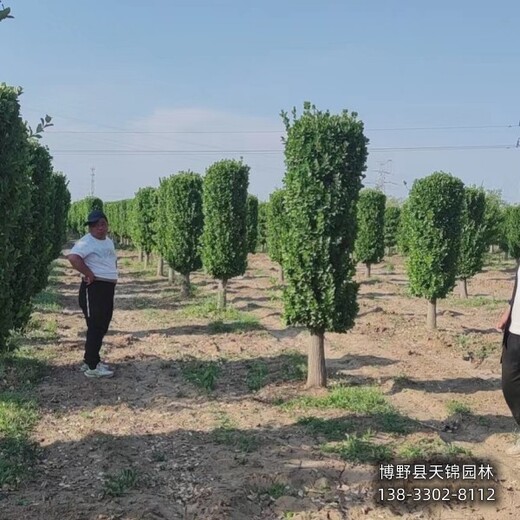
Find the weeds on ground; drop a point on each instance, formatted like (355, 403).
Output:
(46, 330)
(47, 301)
(201, 373)
(294, 367)
(227, 433)
(19, 372)
(457, 407)
(120, 483)
(256, 375)
(429, 449)
(360, 448)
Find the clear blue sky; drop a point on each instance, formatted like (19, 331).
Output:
(226, 66)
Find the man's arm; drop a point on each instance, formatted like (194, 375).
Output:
(78, 264)
(501, 325)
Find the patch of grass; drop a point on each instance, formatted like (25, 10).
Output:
(294, 367)
(402, 380)
(457, 407)
(42, 329)
(360, 448)
(359, 399)
(200, 372)
(332, 429)
(288, 515)
(47, 301)
(19, 372)
(229, 435)
(120, 483)
(389, 267)
(276, 490)
(477, 301)
(256, 375)
(429, 449)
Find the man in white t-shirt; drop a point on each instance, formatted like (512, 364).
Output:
(94, 256)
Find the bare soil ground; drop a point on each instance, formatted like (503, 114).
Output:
(152, 444)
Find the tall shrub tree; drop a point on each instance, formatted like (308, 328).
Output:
(144, 210)
(392, 220)
(434, 226)
(262, 226)
(14, 201)
(252, 223)
(512, 228)
(370, 240)
(473, 242)
(60, 210)
(224, 239)
(325, 156)
(181, 220)
(276, 224)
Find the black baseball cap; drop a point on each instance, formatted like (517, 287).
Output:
(94, 216)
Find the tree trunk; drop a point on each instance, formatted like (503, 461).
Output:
(316, 371)
(160, 266)
(464, 288)
(282, 275)
(170, 275)
(222, 295)
(506, 255)
(491, 248)
(186, 286)
(141, 255)
(146, 260)
(368, 270)
(431, 317)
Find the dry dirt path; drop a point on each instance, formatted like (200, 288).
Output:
(233, 452)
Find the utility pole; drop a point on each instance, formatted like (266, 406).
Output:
(382, 173)
(92, 180)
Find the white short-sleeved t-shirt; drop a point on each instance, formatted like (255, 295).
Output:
(99, 256)
(515, 313)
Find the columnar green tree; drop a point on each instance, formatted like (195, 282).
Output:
(224, 239)
(180, 223)
(60, 210)
(434, 226)
(252, 223)
(392, 219)
(473, 236)
(494, 218)
(14, 200)
(370, 240)
(403, 231)
(262, 226)
(325, 156)
(144, 210)
(276, 224)
(513, 231)
(79, 211)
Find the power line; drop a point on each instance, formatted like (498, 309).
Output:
(275, 151)
(390, 129)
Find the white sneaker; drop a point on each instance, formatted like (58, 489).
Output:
(84, 367)
(98, 372)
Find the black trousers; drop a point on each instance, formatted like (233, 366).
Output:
(511, 374)
(97, 303)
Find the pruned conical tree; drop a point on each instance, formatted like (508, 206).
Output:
(325, 156)
(370, 240)
(180, 224)
(224, 239)
(434, 226)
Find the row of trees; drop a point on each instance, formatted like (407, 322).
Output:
(35, 201)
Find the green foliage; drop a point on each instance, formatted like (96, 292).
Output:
(275, 225)
(119, 218)
(403, 230)
(392, 221)
(143, 218)
(180, 221)
(494, 217)
(79, 211)
(262, 226)
(224, 239)
(120, 483)
(201, 373)
(512, 230)
(361, 449)
(325, 156)
(252, 223)
(434, 206)
(60, 208)
(473, 240)
(370, 214)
